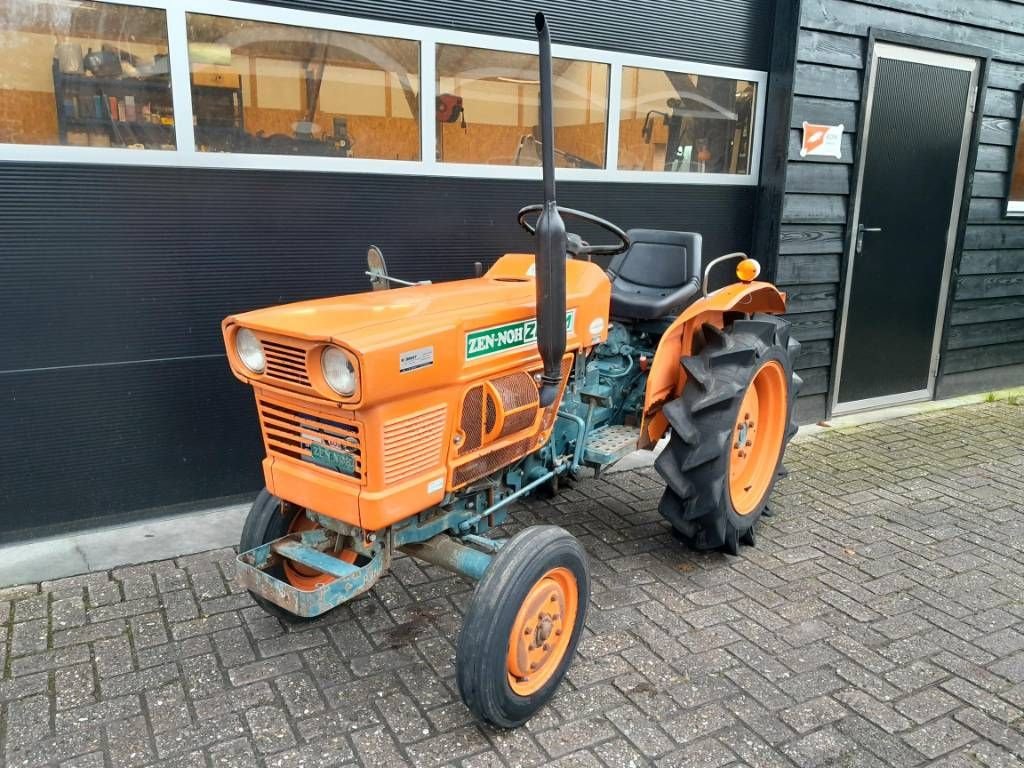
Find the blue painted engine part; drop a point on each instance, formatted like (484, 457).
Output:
(598, 422)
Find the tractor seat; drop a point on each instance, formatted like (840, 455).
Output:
(658, 275)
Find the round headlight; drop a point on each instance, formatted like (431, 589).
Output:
(339, 373)
(250, 350)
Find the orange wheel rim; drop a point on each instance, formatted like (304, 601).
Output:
(542, 631)
(302, 576)
(757, 438)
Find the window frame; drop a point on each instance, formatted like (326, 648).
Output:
(1015, 208)
(185, 155)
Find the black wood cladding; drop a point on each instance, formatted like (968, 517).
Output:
(988, 304)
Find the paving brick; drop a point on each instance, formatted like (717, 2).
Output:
(29, 637)
(575, 735)
(708, 753)
(938, 737)
(234, 753)
(270, 729)
(148, 630)
(447, 747)
(262, 670)
(376, 748)
(113, 656)
(217, 729)
(234, 700)
(74, 686)
(168, 708)
(927, 705)
(326, 752)
(128, 742)
(89, 633)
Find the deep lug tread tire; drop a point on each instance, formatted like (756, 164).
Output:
(481, 657)
(268, 519)
(695, 463)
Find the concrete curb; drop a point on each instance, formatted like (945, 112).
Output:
(59, 556)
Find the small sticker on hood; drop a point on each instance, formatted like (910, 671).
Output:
(415, 359)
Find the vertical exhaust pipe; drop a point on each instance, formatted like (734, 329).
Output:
(551, 245)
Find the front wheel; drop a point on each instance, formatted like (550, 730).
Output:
(730, 428)
(522, 626)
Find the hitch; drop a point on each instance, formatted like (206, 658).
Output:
(311, 549)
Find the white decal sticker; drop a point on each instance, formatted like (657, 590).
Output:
(415, 359)
(826, 140)
(435, 485)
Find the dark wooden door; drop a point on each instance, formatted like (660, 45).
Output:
(909, 185)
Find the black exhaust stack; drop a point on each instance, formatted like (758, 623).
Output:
(550, 260)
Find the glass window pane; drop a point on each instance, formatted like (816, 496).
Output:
(278, 89)
(488, 108)
(679, 122)
(85, 74)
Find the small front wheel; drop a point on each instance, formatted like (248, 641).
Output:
(522, 626)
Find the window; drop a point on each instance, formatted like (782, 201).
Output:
(680, 122)
(488, 108)
(1015, 203)
(256, 85)
(277, 89)
(84, 73)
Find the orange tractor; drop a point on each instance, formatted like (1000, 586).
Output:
(409, 420)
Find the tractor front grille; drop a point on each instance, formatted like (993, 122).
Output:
(414, 444)
(323, 439)
(286, 363)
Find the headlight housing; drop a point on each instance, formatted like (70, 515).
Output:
(339, 372)
(250, 350)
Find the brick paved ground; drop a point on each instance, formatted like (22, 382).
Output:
(879, 622)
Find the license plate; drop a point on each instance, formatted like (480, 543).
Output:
(339, 461)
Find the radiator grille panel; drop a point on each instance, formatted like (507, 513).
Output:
(292, 433)
(471, 410)
(484, 465)
(286, 363)
(414, 444)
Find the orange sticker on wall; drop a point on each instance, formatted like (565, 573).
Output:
(824, 140)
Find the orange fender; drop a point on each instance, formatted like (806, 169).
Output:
(667, 377)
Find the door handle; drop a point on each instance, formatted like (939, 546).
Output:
(861, 229)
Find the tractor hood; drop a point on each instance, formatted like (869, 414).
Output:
(447, 331)
(357, 320)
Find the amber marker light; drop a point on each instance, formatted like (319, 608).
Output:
(748, 270)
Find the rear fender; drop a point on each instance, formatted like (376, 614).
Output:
(667, 377)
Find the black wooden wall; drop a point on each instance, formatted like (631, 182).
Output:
(983, 347)
(115, 398)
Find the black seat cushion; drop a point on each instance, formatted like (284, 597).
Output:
(658, 275)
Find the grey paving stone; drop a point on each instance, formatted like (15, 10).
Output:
(938, 737)
(879, 623)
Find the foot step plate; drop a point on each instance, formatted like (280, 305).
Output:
(607, 445)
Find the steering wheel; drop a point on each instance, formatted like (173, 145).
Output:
(574, 243)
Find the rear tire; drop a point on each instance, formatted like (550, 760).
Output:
(730, 428)
(523, 624)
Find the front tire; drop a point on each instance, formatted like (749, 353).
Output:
(730, 428)
(523, 624)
